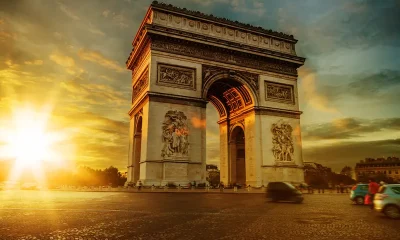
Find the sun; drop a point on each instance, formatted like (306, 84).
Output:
(28, 140)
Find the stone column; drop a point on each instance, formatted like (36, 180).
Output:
(136, 156)
(232, 162)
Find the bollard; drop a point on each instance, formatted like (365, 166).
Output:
(165, 188)
(235, 189)
(179, 188)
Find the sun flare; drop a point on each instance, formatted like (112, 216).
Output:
(29, 143)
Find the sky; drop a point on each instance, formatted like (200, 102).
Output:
(67, 58)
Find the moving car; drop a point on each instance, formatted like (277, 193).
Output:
(283, 191)
(358, 192)
(387, 200)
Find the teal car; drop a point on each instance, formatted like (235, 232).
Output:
(358, 192)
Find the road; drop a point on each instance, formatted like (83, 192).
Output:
(107, 215)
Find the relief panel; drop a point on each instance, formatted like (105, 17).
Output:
(175, 134)
(279, 92)
(140, 84)
(282, 142)
(176, 76)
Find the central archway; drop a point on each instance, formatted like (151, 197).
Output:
(232, 97)
(237, 160)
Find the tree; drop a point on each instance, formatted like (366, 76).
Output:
(348, 171)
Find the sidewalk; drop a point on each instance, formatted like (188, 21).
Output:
(157, 190)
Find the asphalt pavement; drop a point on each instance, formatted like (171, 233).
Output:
(147, 216)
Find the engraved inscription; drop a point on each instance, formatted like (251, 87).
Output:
(279, 92)
(175, 76)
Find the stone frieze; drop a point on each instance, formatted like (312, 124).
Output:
(176, 76)
(221, 55)
(279, 92)
(140, 84)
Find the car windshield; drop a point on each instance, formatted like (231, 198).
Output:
(396, 189)
(290, 185)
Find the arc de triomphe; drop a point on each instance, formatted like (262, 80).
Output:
(181, 60)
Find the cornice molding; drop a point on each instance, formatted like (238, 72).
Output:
(277, 112)
(166, 31)
(210, 17)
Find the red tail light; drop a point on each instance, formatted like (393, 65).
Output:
(354, 188)
(381, 196)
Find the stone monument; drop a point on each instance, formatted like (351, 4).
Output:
(182, 60)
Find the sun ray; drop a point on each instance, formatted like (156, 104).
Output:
(31, 145)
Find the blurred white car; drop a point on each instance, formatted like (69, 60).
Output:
(387, 200)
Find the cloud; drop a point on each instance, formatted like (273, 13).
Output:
(94, 94)
(97, 57)
(120, 21)
(381, 87)
(106, 13)
(62, 60)
(95, 30)
(349, 153)
(35, 62)
(67, 11)
(317, 100)
(100, 141)
(346, 128)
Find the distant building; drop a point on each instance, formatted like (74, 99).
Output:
(370, 167)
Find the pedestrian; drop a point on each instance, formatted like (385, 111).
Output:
(139, 185)
(373, 188)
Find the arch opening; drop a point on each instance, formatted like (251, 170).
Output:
(231, 98)
(237, 157)
(137, 149)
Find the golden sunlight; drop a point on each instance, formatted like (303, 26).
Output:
(29, 143)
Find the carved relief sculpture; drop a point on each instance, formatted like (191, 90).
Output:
(279, 92)
(174, 76)
(140, 84)
(175, 134)
(282, 142)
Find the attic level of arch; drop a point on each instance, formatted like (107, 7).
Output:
(188, 48)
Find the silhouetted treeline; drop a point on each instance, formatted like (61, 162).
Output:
(82, 176)
(320, 176)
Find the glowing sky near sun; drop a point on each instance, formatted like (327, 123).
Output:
(71, 55)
